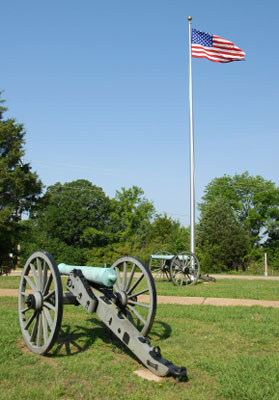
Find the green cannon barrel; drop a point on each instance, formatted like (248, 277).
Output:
(101, 276)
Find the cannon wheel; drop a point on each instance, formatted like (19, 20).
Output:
(40, 302)
(135, 291)
(159, 268)
(185, 269)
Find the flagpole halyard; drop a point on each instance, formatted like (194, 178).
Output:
(192, 164)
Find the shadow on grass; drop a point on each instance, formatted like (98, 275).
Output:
(160, 330)
(75, 339)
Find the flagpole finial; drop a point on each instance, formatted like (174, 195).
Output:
(189, 18)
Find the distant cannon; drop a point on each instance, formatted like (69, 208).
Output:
(182, 268)
(114, 294)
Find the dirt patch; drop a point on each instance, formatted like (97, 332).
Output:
(146, 374)
(21, 346)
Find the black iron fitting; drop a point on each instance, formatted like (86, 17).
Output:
(30, 301)
(144, 340)
(156, 352)
(179, 373)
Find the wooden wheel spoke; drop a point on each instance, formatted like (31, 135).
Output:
(24, 310)
(31, 319)
(44, 274)
(135, 303)
(138, 293)
(45, 329)
(35, 276)
(34, 329)
(30, 283)
(137, 314)
(157, 273)
(47, 285)
(136, 283)
(40, 276)
(49, 306)
(24, 294)
(48, 318)
(130, 317)
(118, 278)
(176, 271)
(124, 275)
(49, 295)
(39, 331)
(130, 278)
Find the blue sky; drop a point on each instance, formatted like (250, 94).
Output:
(102, 90)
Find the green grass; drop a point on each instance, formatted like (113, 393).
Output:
(9, 282)
(231, 353)
(227, 288)
(12, 282)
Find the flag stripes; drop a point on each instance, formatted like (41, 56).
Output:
(215, 48)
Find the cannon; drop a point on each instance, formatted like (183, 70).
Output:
(182, 268)
(123, 296)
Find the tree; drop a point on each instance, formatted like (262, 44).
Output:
(254, 201)
(131, 214)
(222, 242)
(167, 234)
(19, 187)
(72, 217)
(129, 224)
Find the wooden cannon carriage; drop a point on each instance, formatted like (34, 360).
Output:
(123, 297)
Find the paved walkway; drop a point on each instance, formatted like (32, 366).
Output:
(249, 277)
(214, 301)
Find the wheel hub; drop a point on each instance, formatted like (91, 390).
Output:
(186, 270)
(35, 301)
(122, 298)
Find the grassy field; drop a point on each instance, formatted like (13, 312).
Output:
(231, 353)
(228, 288)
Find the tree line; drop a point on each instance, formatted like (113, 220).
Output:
(79, 224)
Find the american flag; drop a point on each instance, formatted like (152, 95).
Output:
(214, 48)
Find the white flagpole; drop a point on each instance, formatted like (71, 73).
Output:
(192, 166)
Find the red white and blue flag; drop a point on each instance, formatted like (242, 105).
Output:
(214, 48)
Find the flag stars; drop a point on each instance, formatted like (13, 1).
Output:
(202, 38)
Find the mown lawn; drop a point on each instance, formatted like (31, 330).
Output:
(230, 353)
(228, 288)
